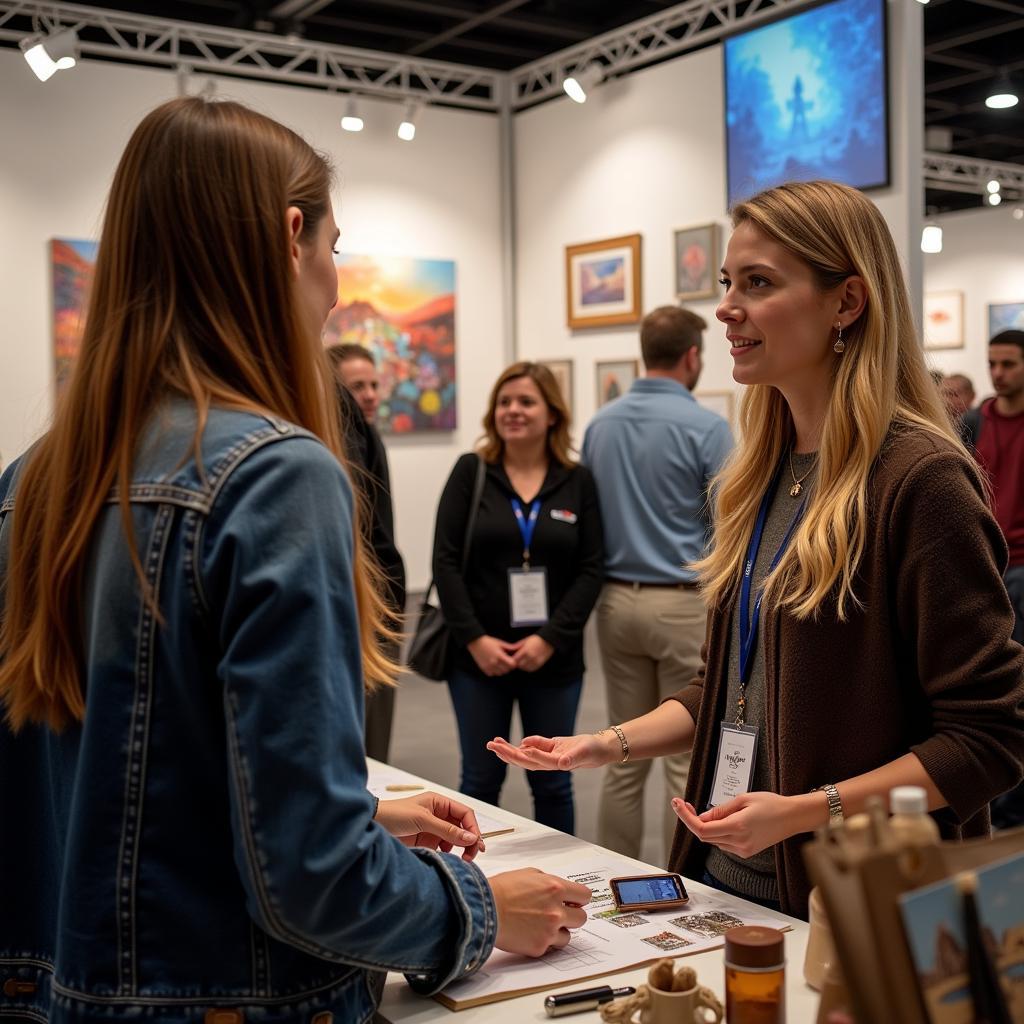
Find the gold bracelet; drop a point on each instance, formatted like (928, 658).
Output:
(622, 739)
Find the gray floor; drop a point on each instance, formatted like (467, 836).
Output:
(424, 742)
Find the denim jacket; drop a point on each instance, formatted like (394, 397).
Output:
(201, 847)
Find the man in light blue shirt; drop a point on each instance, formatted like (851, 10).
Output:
(653, 453)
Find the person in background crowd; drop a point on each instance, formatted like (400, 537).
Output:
(653, 454)
(373, 479)
(859, 634)
(534, 572)
(186, 623)
(356, 368)
(997, 433)
(958, 394)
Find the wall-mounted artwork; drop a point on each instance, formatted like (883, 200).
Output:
(806, 98)
(721, 402)
(1005, 316)
(696, 251)
(944, 320)
(614, 379)
(403, 311)
(603, 282)
(561, 369)
(72, 262)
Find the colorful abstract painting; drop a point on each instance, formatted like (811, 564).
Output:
(403, 311)
(72, 262)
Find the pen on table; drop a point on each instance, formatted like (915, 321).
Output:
(583, 999)
(401, 788)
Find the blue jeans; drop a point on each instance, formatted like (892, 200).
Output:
(709, 879)
(483, 710)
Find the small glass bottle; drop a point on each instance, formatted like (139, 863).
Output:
(755, 976)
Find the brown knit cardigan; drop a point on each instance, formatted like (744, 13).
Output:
(926, 665)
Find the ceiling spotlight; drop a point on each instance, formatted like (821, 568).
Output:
(994, 199)
(993, 185)
(1018, 213)
(1003, 94)
(46, 55)
(351, 121)
(583, 81)
(931, 238)
(407, 129)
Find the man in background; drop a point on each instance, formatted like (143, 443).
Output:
(958, 394)
(652, 453)
(997, 431)
(359, 397)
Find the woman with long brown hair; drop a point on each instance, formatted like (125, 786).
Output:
(859, 635)
(188, 618)
(518, 601)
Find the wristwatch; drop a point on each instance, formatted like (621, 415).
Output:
(835, 804)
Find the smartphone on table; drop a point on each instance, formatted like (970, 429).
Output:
(649, 892)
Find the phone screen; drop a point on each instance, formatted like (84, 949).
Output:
(649, 890)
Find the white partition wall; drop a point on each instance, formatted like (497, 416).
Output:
(437, 197)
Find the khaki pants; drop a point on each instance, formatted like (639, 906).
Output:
(650, 640)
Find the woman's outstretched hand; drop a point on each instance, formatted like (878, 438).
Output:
(559, 753)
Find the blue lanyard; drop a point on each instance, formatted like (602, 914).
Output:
(526, 525)
(749, 624)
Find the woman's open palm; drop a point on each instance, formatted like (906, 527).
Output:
(554, 753)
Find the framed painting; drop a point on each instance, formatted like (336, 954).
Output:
(696, 255)
(72, 262)
(402, 310)
(614, 379)
(603, 282)
(561, 370)
(721, 402)
(944, 320)
(1005, 316)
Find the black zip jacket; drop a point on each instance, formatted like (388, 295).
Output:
(568, 543)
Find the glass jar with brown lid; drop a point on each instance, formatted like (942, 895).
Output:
(755, 976)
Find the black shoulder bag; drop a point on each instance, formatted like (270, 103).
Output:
(431, 650)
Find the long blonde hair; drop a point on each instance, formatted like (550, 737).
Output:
(879, 381)
(193, 294)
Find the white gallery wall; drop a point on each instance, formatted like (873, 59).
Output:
(438, 197)
(982, 258)
(646, 153)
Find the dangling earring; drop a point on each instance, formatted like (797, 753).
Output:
(840, 345)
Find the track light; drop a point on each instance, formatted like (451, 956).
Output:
(931, 238)
(351, 121)
(407, 129)
(1003, 94)
(994, 199)
(993, 186)
(46, 55)
(1018, 213)
(582, 81)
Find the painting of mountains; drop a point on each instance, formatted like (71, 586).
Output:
(72, 262)
(402, 310)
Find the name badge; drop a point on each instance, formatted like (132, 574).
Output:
(528, 596)
(737, 751)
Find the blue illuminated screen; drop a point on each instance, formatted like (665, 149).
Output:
(805, 98)
(647, 890)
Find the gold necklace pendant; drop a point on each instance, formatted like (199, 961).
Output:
(794, 491)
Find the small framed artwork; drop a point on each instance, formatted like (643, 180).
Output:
(614, 379)
(1005, 316)
(944, 320)
(561, 370)
(696, 254)
(721, 402)
(603, 282)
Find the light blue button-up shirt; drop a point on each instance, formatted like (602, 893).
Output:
(653, 453)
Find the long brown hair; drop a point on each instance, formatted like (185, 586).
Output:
(491, 446)
(878, 381)
(193, 294)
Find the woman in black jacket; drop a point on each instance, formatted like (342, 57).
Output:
(535, 567)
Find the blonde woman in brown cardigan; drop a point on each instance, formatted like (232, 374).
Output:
(882, 655)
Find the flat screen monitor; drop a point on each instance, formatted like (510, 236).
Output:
(806, 98)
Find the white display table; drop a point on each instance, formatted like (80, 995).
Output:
(401, 1005)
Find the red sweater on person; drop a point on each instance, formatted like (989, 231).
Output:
(1000, 452)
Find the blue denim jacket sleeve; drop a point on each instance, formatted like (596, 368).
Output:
(275, 575)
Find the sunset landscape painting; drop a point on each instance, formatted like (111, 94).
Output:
(71, 262)
(403, 311)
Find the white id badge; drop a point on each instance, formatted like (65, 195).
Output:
(734, 768)
(528, 596)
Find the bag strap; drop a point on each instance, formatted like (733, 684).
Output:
(474, 507)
